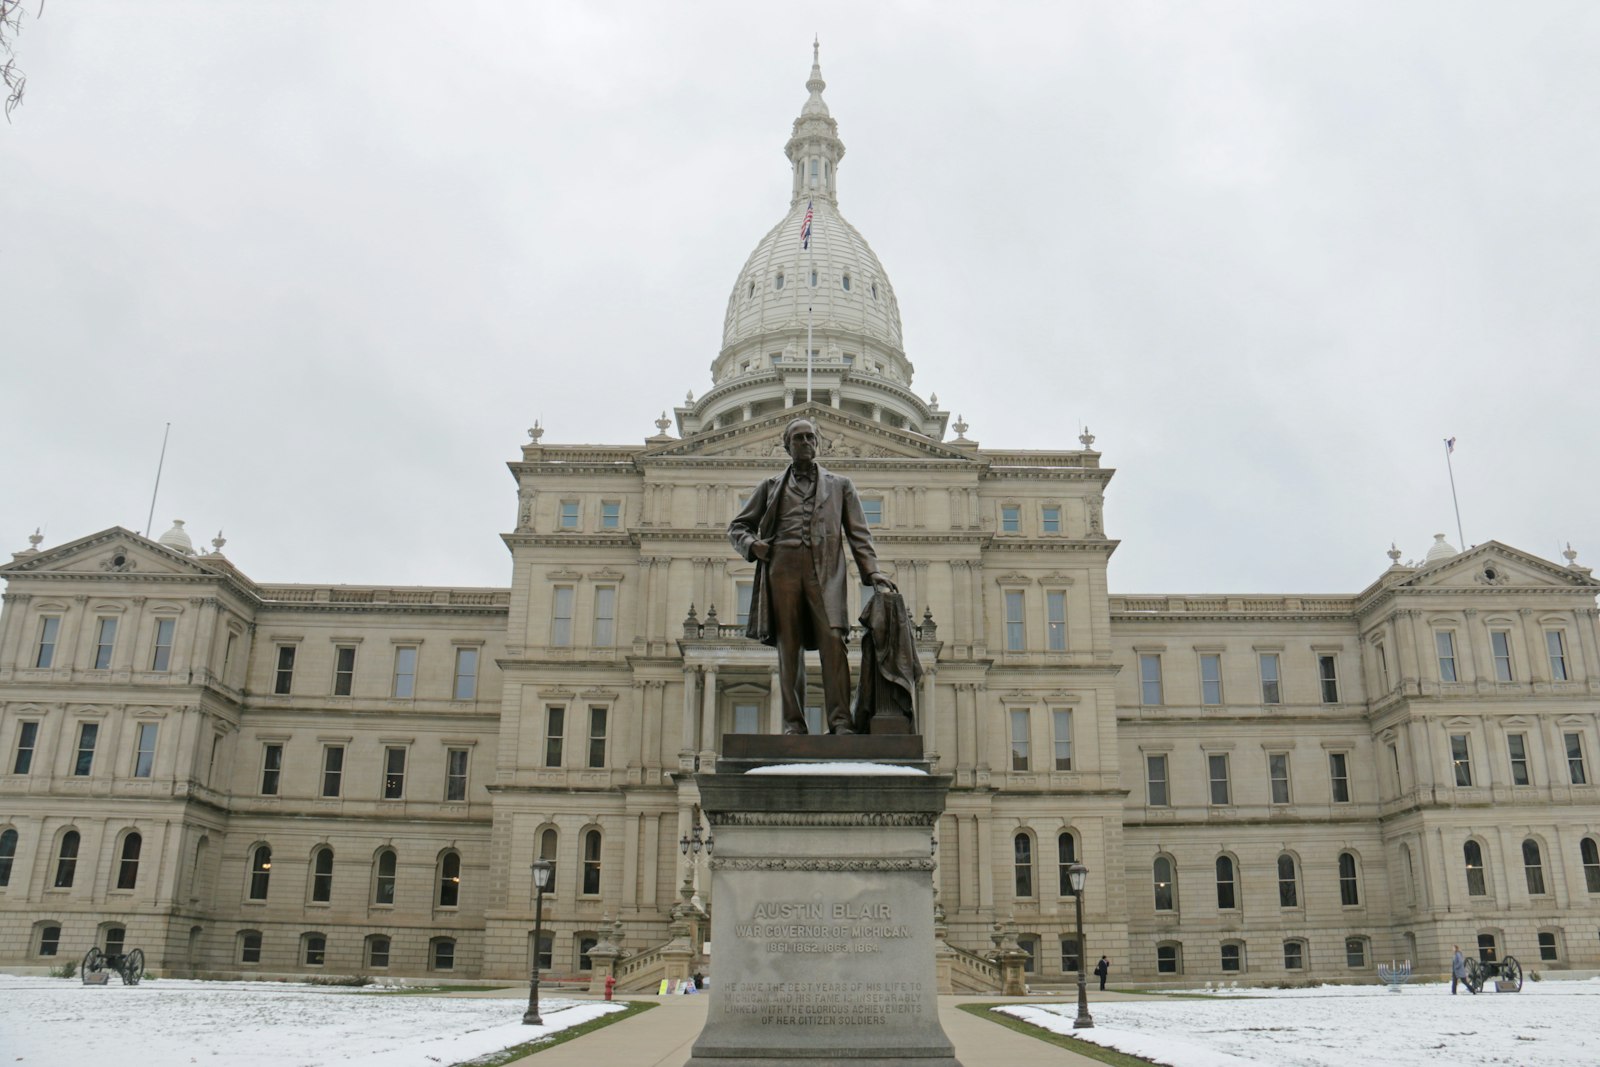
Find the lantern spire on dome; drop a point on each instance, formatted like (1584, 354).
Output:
(814, 148)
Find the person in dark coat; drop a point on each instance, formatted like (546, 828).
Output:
(1458, 972)
(796, 529)
(1102, 969)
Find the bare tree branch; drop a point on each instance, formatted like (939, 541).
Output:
(12, 13)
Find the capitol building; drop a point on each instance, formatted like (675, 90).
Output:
(244, 777)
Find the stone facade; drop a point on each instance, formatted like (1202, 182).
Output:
(1262, 787)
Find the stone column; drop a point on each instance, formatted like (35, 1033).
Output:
(686, 750)
(708, 718)
(919, 505)
(928, 714)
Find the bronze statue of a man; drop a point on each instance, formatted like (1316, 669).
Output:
(795, 529)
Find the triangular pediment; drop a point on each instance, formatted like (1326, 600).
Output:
(844, 437)
(113, 551)
(1493, 565)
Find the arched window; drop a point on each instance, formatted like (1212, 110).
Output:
(1588, 849)
(383, 877)
(314, 949)
(1294, 955)
(1066, 856)
(249, 946)
(8, 852)
(1169, 957)
(128, 865)
(1227, 897)
(1233, 956)
(1288, 883)
(1349, 882)
(591, 863)
(1022, 849)
(442, 953)
(377, 951)
(777, 282)
(586, 941)
(1533, 867)
(1165, 890)
(1477, 882)
(260, 872)
(322, 875)
(549, 841)
(67, 859)
(450, 880)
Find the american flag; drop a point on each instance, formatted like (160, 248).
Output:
(1449, 445)
(805, 227)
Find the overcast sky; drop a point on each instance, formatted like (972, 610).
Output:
(1272, 254)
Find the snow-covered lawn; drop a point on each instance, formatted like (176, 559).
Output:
(1552, 1024)
(52, 1022)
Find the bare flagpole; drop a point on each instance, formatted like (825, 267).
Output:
(159, 464)
(1449, 447)
(805, 246)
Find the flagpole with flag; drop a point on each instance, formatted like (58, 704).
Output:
(805, 246)
(1449, 447)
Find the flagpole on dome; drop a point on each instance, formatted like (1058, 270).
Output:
(1449, 447)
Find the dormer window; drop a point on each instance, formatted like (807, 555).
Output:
(813, 172)
(846, 282)
(874, 290)
(813, 279)
(777, 282)
(752, 289)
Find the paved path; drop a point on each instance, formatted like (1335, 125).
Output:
(662, 1037)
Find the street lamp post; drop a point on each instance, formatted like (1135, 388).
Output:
(1077, 875)
(542, 870)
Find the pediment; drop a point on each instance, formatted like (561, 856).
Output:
(1493, 565)
(113, 551)
(844, 437)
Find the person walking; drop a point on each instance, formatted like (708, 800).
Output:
(1102, 969)
(1458, 972)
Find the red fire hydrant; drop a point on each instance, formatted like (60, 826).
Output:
(611, 983)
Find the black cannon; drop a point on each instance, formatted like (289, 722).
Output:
(130, 965)
(1508, 972)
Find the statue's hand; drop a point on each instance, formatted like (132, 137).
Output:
(761, 550)
(882, 584)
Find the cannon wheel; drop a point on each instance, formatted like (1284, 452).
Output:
(1475, 976)
(133, 967)
(1511, 973)
(94, 962)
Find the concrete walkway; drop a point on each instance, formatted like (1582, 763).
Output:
(663, 1036)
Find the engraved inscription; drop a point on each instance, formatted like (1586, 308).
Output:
(822, 1003)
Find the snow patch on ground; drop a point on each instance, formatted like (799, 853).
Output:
(1548, 1023)
(51, 1022)
(837, 767)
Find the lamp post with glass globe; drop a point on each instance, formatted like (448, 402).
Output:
(1077, 875)
(542, 870)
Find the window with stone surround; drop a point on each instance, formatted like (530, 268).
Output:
(1576, 773)
(466, 680)
(1555, 644)
(1288, 882)
(1533, 867)
(8, 853)
(1021, 744)
(1278, 777)
(260, 872)
(1461, 759)
(1150, 679)
(1022, 864)
(161, 654)
(105, 642)
(1271, 684)
(1589, 853)
(1016, 625)
(321, 875)
(1517, 750)
(1227, 883)
(405, 672)
(332, 770)
(1445, 647)
(1349, 880)
(1500, 649)
(1055, 605)
(67, 859)
(1339, 776)
(283, 674)
(1477, 874)
(561, 601)
(1166, 889)
(384, 866)
(555, 725)
(1155, 769)
(591, 863)
(27, 741)
(128, 861)
(344, 670)
(44, 653)
(1211, 679)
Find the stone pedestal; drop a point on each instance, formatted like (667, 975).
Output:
(823, 922)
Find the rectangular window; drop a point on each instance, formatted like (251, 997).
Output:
(1061, 721)
(1155, 771)
(1575, 770)
(1328, 675)
(88, 733)
(27, 740)
(49, 940)
(394, 772)
(1166, 959)
(747, 718)
(873, 510)
(1010, 518)
(1293, 955)
(1500, 647)
(561, 617)
(597, 737)
(1230, 957)
(741, 594)
(271, 769)
(555, 724)
(1020, 720)
(316, 950)
(1149, 679)
(227, 654)
(466, 687)
(568, 515)
(1461, 759)
(283, 677)
(1547, 947)
(378, 952)
(405, 671)
(1217, 766)
(1355, 953)
(344, 670)
(605, 616)
(1050, 519)
(1517, 745)
(1069, 955)
(1278, 773)
(1211, 679)
(1271, 690)
(1339, 776)
(105, 640)
(1556, 646)
(162, 659)
(49, 633)
(250, 948)
(332, 769)
(1016, 639)
(144, 750)
(455, 774)
(611, 515)
(1055, 606)
(1383, 666)
(1445, 643)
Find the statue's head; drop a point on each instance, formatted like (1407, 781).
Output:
(806, 432)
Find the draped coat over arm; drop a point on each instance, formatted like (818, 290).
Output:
(837, 522)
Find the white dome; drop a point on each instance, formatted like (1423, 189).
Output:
(1440, 549)
(177, 539)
